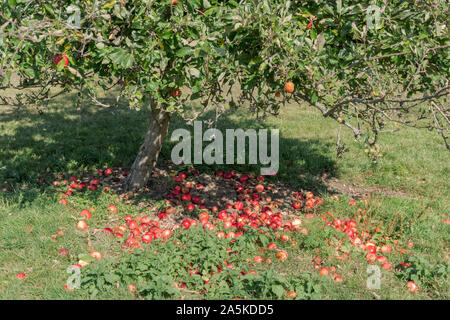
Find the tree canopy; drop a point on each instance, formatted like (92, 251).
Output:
(362, 63)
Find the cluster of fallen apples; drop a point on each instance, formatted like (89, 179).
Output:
(253, 209)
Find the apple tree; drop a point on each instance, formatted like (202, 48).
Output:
(363, 63)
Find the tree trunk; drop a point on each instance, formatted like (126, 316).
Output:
(147, 157)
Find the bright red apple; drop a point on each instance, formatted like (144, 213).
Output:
(86, 213)
(186, 224)
(96, 255)
(21, 275)
(259, 188)
(324, 272)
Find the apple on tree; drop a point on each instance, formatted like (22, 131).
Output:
(61, 57)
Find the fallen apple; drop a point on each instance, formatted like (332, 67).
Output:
(63, 252)
(282, 255)
(82, 225)
(96, 255)
(21, 275)
(324, 272)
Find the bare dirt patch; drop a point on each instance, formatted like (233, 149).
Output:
(354, 191)
(213, 191)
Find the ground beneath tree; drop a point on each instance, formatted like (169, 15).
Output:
(357, 192)
(214, 191)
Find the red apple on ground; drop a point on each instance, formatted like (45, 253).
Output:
(324, 272)
(382, 259)
(371, 257)
(147, 238)
(132, 224)
(258, 259)
(86, 213)
(82, 225)
(166, 233)
(186, 224)
(221, 234)
(21, 275)
(412, 286)
(386, 249)
(259, 188)
(96, 254)
(282, 255)
(63, 252)
(386, 266)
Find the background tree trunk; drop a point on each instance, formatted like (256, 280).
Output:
(147, 157)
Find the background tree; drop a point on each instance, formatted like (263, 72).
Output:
(353, 67)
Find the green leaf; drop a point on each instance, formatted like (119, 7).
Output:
(320, 42)
(151, 86)
(197, 87)
(111, 278)
(264, 240)
(194, 72)
(61, 65)
(30, 72)
(116, 56)
(122, 58)
(85, 257)
(313, 33)
(364, 138)
(183, 51)
(49, 9)
(220, 51)
(278, 290)
(128, 61)
(109, 5)
(339, 6)
(206, 4)
(314, 97)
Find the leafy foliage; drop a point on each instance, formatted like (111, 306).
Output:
(424, 273)
(198, 261)
(343, 60)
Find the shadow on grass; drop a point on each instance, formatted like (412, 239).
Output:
(303, 163)
(70, 141)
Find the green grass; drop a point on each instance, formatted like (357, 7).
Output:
(69, 141)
